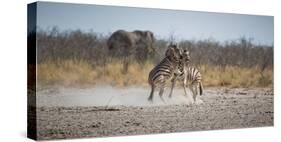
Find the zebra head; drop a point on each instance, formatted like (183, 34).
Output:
(174, 53)
(186, 56)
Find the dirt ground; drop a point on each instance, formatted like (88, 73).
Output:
(222, 109)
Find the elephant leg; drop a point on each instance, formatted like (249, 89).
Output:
(125, 65)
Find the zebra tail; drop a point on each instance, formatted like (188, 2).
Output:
(201, 88)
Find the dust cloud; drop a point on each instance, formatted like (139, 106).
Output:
(108, 96)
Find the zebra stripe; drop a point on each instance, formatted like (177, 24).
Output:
(190, 77)
(164, 71)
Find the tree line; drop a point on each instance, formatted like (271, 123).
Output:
(55, 45)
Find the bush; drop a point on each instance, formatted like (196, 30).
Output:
(81, 58)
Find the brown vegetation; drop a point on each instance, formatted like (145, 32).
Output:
(80, 58)
(80, 72)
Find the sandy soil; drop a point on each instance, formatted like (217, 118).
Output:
(222, 109)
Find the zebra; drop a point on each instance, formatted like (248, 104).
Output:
(189, 76)
(164, 71)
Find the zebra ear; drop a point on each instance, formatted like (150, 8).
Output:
(176, 45)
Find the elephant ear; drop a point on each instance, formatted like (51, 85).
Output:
(150, 36)
(150, 39)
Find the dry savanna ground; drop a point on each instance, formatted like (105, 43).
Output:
(222, 108)
(92, 113)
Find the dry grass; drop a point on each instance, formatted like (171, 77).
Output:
(80, 72)
(235, 76)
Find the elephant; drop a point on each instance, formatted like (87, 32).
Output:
(128, 45)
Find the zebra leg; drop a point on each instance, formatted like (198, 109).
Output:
(184, 86)
(192, 90)
(173, 85)
(161, 92)
(195, 92)
(200, 88)
(198, 93)
(151, 93)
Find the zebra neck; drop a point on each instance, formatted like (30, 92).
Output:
(186, 65)
(170, 61)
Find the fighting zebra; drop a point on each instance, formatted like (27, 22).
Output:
(189, 76)
(165, 70)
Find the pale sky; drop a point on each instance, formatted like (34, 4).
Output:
(182, 24)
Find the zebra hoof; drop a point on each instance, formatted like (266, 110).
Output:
(198, 102)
